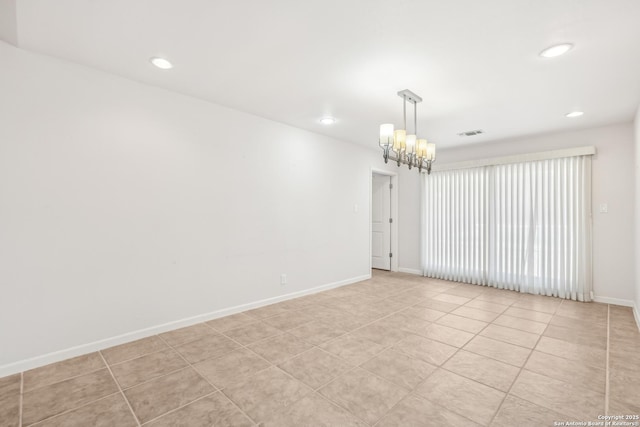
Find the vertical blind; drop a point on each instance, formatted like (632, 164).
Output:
(523, 226)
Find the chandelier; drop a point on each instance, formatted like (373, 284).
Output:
(403, 148)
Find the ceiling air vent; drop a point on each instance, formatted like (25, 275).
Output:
(471, 132)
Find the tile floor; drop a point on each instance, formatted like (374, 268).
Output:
(395, 350)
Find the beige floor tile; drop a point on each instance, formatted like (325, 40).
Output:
(487, 306)
(56, 372)
(482, 369)
(511, 336)
(409, 298)
(161, 395)
(353, 349)
(500, 296)
(231, 368)
(624, 358)
(474, 313)
(624, 384)
(569, 371)
(365, 395)
(624, 407)
(317, 332)
(107, 412)
(313, 410)
(348, 321)
(9, 386)
(145, 368)
(316, 367)
(231, 322)
(414, 411)
(543, 304)
(266, 392)
(253, 332)
(383, 307)
(521, 324)
(447, 335)
(501, 351)
(438, 305)
(461, 395)
(467, 291)
(529, 314)
(280, 348)
(576, 336)
(10, 401)
(406, 323)
(595, 328)
(583, 310)
(422, 291)
(427, 350)
(213, 410)
(54, 399)
(576, 402)
(462, 323)
(591, 356)
(399, 368)
(452, 299)
(185, 335)
(423, 313)
(289, 320)
(209, 346)
(380, 334)
(266, 311)
(517, 412)
(133, 349)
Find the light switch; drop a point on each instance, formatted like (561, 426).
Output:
(604, 208)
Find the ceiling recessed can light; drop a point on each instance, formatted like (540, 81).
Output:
(556, 50)
(161, 63)
(327, 120)
(574, 114)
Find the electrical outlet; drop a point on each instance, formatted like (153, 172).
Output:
(604, 208)
(283, 279)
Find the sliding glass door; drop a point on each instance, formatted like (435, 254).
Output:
(523, 226)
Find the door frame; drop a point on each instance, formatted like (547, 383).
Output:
(394, 215)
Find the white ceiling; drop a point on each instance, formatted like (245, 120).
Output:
(475, 63)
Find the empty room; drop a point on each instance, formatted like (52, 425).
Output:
(300, 213)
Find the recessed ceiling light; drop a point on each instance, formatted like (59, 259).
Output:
(557, 50)
(327, 120)
(161, 63)
(574, 114)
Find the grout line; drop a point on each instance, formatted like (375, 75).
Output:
(135, 417)
(606, 378)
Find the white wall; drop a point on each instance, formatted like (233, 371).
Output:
(123, 207)
(613, 183)
(637, 215)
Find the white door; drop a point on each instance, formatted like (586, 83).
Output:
(381, 222)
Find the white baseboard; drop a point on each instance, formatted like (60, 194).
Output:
(614, 301)
(636, 314)
(410, 271)
(57, 356)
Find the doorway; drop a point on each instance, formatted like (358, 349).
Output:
(383, 226)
